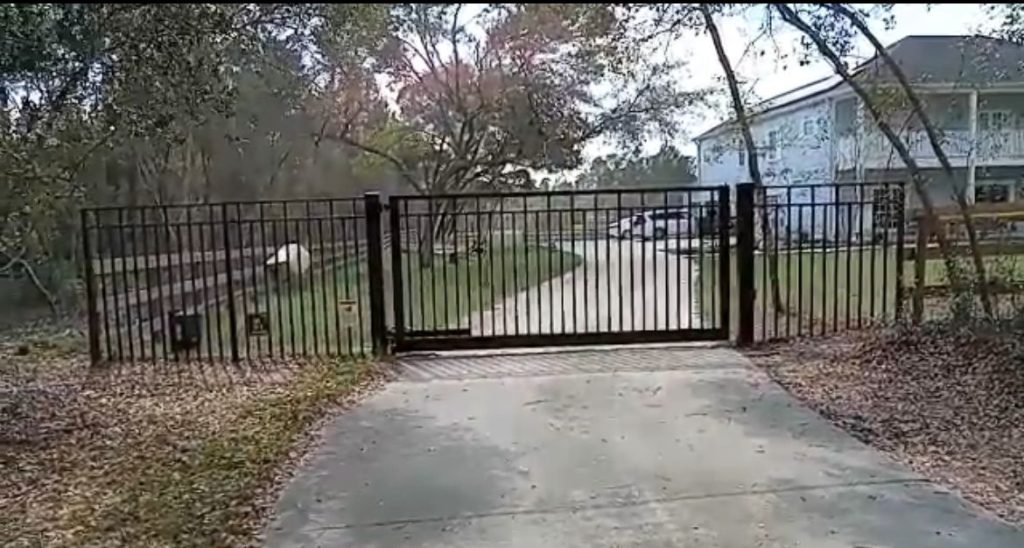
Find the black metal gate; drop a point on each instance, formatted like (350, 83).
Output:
(560, 267)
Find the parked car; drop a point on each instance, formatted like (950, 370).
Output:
(653, 224)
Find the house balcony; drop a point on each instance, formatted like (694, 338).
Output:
(992, 148)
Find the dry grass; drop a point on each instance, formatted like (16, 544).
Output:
(948, 403)
(176, 455)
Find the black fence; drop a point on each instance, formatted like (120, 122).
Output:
(247, 280)
(554, 268)
(826, 257)
(228, 280)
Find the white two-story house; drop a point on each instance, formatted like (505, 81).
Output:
(973, 91)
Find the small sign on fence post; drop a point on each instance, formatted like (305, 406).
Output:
(348, 312)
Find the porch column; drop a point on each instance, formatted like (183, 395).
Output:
(972, 153)
(862, 145)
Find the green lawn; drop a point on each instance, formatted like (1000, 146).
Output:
(443, 295)
(432, 294)
(835, 288)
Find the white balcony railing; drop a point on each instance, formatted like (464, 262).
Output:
(991, 148)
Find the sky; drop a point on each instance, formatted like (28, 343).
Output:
(772, 74)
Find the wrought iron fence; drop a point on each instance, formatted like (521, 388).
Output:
(559, 267)
(244, 280)
(228, 280)
(826, 256)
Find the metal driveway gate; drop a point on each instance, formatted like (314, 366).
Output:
(559, 267)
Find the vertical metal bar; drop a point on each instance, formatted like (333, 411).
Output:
(479, 266)
(218, 313)
(810, 274)
(665, 297)
(278, 282)
(690, 264)
(127, 325)
(468, 254)
(874, 249)
(607, 266)
(288, 276)
(181, 274)
(540, 279)
(824, 265)
(420, 263)
(346, 284)
(137, 316)
(643, 264)
(311, 288)
(586, 278)
(835, 267)
(398, 307)
(618, 259)
(849, 259)
(789, 259)
(572, 246)
(334, 313)
(551, 271)
(597, 267)
(503, 267)
(153, 312)
(205, 276)
(490, 260)
(765, 291)
(701, 278)
(901, 225)
(800, 270)
(724, 273)
(860, 258)
(375, 272)
(455, 265)
(90, 291)
(232, 313)
(329, 301)
(526, 260)
(776, 210)
(165, 252)
(244, 291)
(254, 256)
(108, 306)
(561, 268)
(266, 279)
(352, 287)
(745, 261)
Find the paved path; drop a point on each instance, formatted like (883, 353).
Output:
(623, 447)
(620, 286)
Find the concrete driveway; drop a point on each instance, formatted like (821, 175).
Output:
(621, 285)
(609, 447)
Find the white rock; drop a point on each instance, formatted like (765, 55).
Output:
(294, 255)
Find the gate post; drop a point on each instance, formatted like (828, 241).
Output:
(375, 272)
(90, 293)
(745, 261)
(724, 250)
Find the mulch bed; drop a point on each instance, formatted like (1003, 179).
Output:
(949, 403)
(185, 454)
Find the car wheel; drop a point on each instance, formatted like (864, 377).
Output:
(626, 235)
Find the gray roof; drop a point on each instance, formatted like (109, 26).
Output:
(950, 60)
(925, 60)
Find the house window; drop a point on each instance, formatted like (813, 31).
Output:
(992, 193)
(741, 157)
(809, 127)
(995, 120)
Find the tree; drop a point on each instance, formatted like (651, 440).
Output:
(753, 168)
(818, 33)
(481, 100)
(666, 168)
(103, 102)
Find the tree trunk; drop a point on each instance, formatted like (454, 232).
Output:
(917, 178)
(753, 169)
(959, 192)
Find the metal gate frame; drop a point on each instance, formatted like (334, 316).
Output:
(403, 339)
